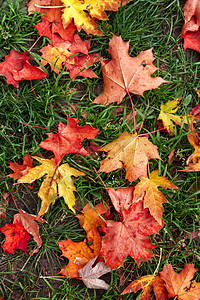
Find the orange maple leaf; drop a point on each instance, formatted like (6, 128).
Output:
(125, 74)
(16, 237)
(153, 198)
(194, 159)
(21, 169)
(129, 237)
(79, 253)
(28, 221)
(129, 150)
(91, 217)
(181, 285)
(147, 284)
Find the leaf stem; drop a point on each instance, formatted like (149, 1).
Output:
(132, 109)
(38, 127)
(39, 37)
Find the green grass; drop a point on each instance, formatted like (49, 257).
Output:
(146, 24)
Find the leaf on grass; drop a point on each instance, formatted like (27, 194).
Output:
(147, 284)
(90, 275)
(153, 198)
(91, 216)
(84, 13)
(181, 285)
(21, 169)
(16, 237)
(56, 56)
(167, 115)
(122, 198)
(129, 237)
(194, 159)
(191, 28)
(16, 67)
(79, 253)
(68, 139)
(56, 177)
(130, 151)
(29, 222)
(125, 74)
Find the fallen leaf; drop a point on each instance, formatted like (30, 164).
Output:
(68, 139)
(16, 67)
(125, 74)
(84, 14)
(167, 115)
(90, 275)
(196, 113)
(79, 253)
(16, 237)
(21, 169)
(147, 284)
(130, 151)
(121, 198)
(153, 198)
(129, 237)
(91, 217)
(181, 285)
(29, 222)
(56, 56)
(191, 28)
(171, 157)
(56, 177)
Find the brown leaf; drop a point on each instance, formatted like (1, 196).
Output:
(181, 285)
(90, 275)
(29, 222)
(127, 74)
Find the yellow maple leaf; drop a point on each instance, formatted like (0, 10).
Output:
(85, 12)
(148, 283)
(56, 56)
(56, 179)
(167, 115)
(153, 198)
(129, 150)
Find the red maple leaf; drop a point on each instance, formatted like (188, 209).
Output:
(16, 237)
(16, 67)
(68, 139)
(129, 237)
(191, 28)
(21, 169)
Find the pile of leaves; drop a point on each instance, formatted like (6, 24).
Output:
(124, 224)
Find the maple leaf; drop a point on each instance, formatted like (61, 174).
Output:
(147, 284)
(129, 237)
(56, 177)
(84, 13)
(56, 55)
(191, 28)
(129, 150)
(79, 253)
(21, 169)
(121, 198)
(31, 226)
(127, 74)
(181, 285)
(16, 67)
(153, 198)
(90, 275)
(69, 139)
(167, 115)
(16, 237)
(194, 160)
(91, 216)
(81, 66)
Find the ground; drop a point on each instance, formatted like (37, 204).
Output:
(146, 24)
